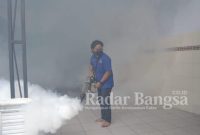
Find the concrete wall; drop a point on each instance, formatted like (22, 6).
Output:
(184, 71)
(160, 72)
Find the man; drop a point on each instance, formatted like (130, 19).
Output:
(100, 67)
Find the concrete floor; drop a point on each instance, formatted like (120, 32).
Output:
(135, 122)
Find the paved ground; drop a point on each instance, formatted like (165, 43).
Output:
(135, 122)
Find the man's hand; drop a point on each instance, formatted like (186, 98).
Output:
(90, 75)
(98, 85)
(90, 71)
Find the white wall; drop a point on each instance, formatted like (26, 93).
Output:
(184, 71)
(156, 72)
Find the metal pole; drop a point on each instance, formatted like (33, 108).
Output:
(24, 48)
(10, 47)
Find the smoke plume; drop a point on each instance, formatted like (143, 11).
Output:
(59, 34)
(47, 111)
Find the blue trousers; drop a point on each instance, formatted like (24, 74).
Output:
(104, 101)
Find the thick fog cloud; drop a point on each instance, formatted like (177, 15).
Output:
(59, 34)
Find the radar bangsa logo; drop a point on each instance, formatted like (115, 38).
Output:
(138, 99)
(167, 102)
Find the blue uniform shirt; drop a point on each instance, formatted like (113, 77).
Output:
(100, 66)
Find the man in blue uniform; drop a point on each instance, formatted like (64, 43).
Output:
(101, 69)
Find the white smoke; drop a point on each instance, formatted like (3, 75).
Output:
(47, 110)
